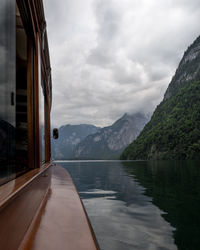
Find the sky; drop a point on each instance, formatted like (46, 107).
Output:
(110, 57)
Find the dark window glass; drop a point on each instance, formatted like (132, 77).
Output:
(21, 97)
(13, 93)
(7, 90)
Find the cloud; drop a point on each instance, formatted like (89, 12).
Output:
(110, 57)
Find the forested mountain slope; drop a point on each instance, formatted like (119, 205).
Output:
(174, 129)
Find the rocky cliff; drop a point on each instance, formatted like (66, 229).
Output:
(188, 70)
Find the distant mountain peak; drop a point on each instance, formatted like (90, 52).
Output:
(69, 137)
(109, 142)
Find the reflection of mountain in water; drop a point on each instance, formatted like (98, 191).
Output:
(175, 189)
(101, 176)
(121, 215)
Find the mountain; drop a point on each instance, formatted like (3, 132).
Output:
(110, 141)
(174, 129)
(69, 137)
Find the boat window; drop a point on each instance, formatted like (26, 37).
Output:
(21, 96)
(13, 93)
(7, 90)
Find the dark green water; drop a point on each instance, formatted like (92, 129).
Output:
(141, 205)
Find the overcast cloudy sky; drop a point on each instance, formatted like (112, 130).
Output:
(109, 57)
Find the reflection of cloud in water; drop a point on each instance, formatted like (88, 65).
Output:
(122, 216)
(98, 191)
(118, 226)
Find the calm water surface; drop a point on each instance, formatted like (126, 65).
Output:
(141, 205)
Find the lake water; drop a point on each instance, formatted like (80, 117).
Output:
(139, 204)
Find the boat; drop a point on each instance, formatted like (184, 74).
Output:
(39, 205)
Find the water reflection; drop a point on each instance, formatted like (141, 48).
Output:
(121, 210)
(174, 188)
